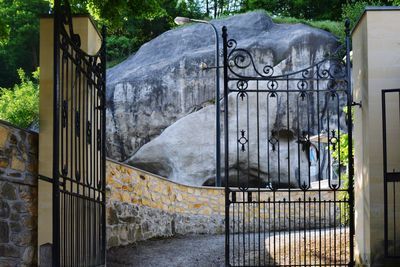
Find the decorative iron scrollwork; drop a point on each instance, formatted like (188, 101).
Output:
(243, 140)
(333, 140)
(273, 140)
(64, 113)
(305, 142)
(77, 123)
(89, 132)
(242, 64)
(242, 85)
(66, 19)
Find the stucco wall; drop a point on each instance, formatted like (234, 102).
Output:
(376, 67)
(18, 196)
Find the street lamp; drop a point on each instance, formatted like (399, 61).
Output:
(182, 21)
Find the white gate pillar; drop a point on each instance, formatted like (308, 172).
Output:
(376, 66)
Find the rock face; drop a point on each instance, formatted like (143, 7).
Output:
(160, 111)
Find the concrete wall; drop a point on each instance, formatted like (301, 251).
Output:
(18, 196)
(376, 66)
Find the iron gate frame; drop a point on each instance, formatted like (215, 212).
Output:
(267, 75)
(388, 178)
(78, 92)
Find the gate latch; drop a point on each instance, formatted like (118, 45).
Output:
(359, 104)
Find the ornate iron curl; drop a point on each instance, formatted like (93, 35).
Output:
(302, 85)
(66, 19)
(243, 187)
(304, 186)
(69, 38)
(331, 67)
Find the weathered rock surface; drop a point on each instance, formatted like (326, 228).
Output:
(162, 82)
(185, 151)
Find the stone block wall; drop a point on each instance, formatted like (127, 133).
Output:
(18, 196)
(143, 206)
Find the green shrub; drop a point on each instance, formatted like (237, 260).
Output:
(20, 105)
(333, 27)
(118, 48)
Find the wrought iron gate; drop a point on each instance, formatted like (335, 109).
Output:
(288, 200)
(79, 226)
(391, 170)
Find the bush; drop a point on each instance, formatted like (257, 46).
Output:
(118, 48)
(20, 105)
(333, 27)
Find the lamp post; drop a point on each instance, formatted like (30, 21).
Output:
(181, 21)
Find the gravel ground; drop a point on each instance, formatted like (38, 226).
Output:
(208, 250)
(187, 251)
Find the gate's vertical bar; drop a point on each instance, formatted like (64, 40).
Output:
(350, 140)
(385, 199)
(56, 105)
(103, 142)
(226, 142)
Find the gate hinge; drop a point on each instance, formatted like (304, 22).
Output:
(356, 104)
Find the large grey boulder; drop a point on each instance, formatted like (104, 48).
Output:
(162, 82)
(161, 117)
(185, 151)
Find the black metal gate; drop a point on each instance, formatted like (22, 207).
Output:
(289, 199)
(79, 225)
(391, 170)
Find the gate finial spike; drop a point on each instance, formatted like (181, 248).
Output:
(347, 26)
(224, 31)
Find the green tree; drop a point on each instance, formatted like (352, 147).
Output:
(307, 9)
(354, 9)
(19, 28)
(129, 34)
(20, 105)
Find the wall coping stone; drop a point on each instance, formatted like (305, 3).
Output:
(164, 178)
(9, 124)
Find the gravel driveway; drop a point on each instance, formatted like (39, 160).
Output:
(328, 246)
(187, 251)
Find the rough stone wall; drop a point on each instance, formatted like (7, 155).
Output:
(18, 196)
(141, 206)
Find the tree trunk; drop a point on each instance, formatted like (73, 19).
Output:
(221, 7)
(215, 8)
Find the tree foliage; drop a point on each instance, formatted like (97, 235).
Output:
(20, 104)
(307, 9)
(354, 9)
(19, 37)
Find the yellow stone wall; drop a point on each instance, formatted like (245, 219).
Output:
(18, 196)
(141, 205)
(129, 185)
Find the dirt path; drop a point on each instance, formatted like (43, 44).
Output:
(199, 251)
